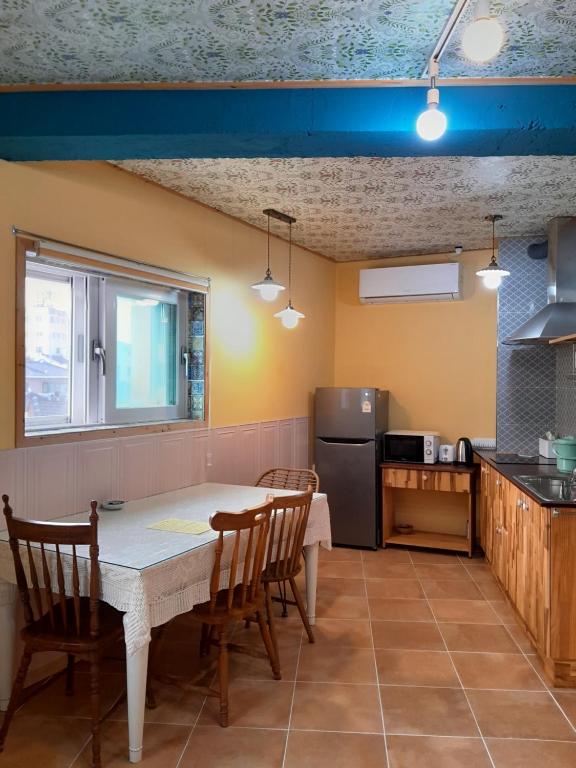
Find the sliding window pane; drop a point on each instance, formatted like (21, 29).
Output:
(146, 343)
(48, 345)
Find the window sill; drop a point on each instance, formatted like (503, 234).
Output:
(102, 432)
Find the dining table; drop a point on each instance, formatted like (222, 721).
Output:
(153, 574)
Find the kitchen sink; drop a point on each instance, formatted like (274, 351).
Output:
(549, 487)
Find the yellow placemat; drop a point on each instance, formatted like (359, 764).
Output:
(175, 525)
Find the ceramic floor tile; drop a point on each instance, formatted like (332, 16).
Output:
(214, 747)
(39, 740)
(427, 711)
(53, 700)
(341, 607)
(409, 635)
(398, 609)
(339, 554)
(416, 668)
(513, 753)
(334, 750)
(163, 745)
(383, 569)
(437, 752)
(490, 590)
(451, 589)
(336, 707)
(464, 611)
(434, 557)
(477, 570)
(507, 671)
(340, 570)
(490, 638)
(388, 555)
(439, 571)
(343, 633)
(247, 667)
(288, 630)
(520, 715)
(253, 704)
(395, 588)
(336, 587)
(520, 638)
(174, 705)
(567, 700)
(505, 611)
(341, 665)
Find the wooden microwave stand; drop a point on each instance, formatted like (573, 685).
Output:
(447, 478)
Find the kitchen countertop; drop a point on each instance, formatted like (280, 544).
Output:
(542, 469)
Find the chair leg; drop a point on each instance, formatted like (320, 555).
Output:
(95, 708)
(223, 674)
(70, 675)
(15, 696)
(283, 596)
(301, 608)
(269, 645)
(271, 622)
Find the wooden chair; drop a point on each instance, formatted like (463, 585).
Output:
(290, 479)
(288, 521)
(236, 601)
(54, 622)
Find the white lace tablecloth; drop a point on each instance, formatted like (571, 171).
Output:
(151, 575)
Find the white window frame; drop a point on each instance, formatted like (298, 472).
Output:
(93, 393)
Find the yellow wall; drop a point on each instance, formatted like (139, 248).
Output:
(258, 370)
(438, 359)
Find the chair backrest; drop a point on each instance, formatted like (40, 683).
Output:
(40, 596)
(248, 545)
(288, 521)
(289, 479)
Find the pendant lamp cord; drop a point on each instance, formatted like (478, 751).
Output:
(290, 264)
(268, 273)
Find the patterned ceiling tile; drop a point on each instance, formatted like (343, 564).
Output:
(46, 41)
(356, 208)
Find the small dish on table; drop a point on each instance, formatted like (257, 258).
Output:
(113, 505)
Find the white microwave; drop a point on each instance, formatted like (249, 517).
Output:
(404, 445)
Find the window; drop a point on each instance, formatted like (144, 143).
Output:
(104, 349)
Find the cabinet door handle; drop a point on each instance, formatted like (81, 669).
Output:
(424, 477)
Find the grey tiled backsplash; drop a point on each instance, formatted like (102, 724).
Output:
(566, 389)
(526, 377)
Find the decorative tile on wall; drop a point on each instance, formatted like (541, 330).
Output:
(526, 381)
(566, 389)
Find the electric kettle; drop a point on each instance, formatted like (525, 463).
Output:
(463, 451)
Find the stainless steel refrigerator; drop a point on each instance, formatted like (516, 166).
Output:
(348, 427)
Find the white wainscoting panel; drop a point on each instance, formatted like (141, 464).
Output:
(57, 480)
(98, 472)
(51, 473)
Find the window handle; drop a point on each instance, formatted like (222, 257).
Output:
(185, 360)
(99, 352)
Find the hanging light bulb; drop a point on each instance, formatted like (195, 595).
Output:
(432, 123)
(289, 316)
(492, 274)
(484, 37)
(268, 287)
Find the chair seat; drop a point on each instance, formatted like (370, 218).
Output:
(41, 632)
(270, 573)
(220, 613)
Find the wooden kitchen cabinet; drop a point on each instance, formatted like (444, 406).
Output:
(531, 552)
(444, 478)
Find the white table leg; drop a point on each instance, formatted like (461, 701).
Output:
(311, 568)
(136, 671)
(7, 641)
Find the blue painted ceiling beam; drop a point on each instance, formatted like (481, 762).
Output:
(321, 122)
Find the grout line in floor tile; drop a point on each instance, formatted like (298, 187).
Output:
(285, 752)
(82, 748)
(462, 687)
(544, 681)
(382, 718)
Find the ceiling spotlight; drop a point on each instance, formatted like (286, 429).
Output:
(458, 249)
(492, 274)
(432, 123)
(484, 37)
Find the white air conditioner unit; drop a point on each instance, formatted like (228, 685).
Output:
(426, 282)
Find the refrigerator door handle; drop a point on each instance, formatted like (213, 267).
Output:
(340, 441)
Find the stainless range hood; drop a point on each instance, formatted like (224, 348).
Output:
(558, 318)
